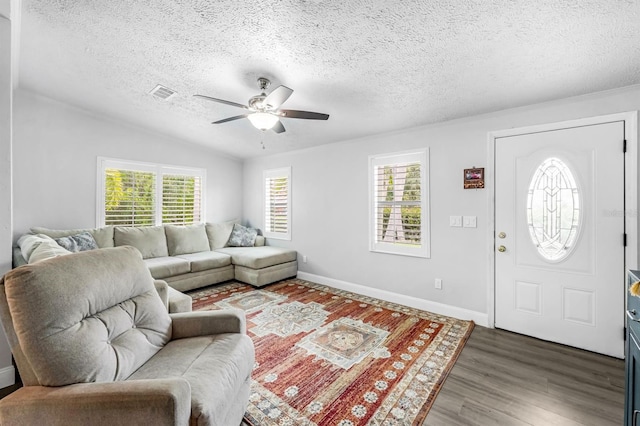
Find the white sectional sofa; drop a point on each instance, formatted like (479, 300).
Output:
(186, 257)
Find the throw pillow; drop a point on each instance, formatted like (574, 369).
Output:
(29, 242)
(219, 233)
(47, 250)
(75, 243)
(241, 236)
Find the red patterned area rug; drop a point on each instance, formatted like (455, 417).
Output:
(330, 357)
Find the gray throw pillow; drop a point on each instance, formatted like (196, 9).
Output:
(241, 236)
(80, 242)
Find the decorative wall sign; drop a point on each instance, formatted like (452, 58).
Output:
(473, 178)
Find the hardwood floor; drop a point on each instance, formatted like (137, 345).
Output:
(503, 378)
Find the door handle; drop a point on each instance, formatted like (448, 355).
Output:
(632, 316)
(635, 417)
(502, 249)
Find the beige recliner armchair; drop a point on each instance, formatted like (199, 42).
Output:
(94, 344)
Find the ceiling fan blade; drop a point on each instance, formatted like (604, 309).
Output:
(222, 101)
(277, 97)
(278, 127)
(225, 120)
(292, 113)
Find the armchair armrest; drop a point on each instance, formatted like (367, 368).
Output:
(163, 291)
(156, 402)
(205, 323)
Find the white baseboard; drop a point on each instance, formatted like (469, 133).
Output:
(7, 376)
(401, 299)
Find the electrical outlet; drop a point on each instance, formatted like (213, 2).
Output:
(304, 259)
(455, 221)
(469, 221)
(438, 284)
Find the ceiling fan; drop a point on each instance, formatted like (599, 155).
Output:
(264, 110)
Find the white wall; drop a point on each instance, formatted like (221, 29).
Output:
(330, 202)
(55, 156)
(7, 372)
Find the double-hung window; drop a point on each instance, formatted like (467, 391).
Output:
(277, 203)
(399, 208)
(142, 194)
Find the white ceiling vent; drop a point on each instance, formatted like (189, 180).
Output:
(162, 92)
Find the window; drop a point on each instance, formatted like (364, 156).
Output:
(277, 203)
(143, 194)
(399, 208)
(553, 210)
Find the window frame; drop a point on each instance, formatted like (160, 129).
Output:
(160, 170)
(392, 159)
(274, 174)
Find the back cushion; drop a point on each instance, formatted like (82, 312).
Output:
(150, 240)
(218, 233)
(186, 239)
(103, 236)
(93, 316)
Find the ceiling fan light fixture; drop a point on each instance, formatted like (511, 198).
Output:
(263, 120)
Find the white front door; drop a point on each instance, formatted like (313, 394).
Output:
(559, 236)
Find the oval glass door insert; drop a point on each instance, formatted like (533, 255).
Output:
(553, 210)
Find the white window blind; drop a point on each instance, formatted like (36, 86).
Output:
(399, 204)
(277, 203)
(144, 194)
(129, 198)
(181, 197)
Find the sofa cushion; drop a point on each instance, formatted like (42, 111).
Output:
(74, 243)
(242, 236)
(93, 316)
(47, 249)
(206, 260)
(215, 366)
(103, 236)
(29, 242)
(163, 267)
(259, 257)
(218, 233)
(149, 240)
(186, 239)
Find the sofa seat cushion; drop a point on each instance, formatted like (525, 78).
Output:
(206, 260)
(163, 267)
(259, 257)
(216, 367)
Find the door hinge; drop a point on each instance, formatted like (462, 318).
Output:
(624, 146)
(624, 333)
(624, 240)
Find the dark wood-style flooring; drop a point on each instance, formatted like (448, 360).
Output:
(503, 378)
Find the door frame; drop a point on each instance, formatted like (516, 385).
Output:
(631, 219)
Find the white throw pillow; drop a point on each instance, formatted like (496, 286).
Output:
(29, 242)
(47, 250)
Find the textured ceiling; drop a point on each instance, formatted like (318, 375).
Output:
(374, 66)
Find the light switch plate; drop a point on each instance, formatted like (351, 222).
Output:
(455, 221)
(469, 221)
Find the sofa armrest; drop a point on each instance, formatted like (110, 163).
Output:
(206, 323)
(163, 291)
(18, 259)
(155, 402)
